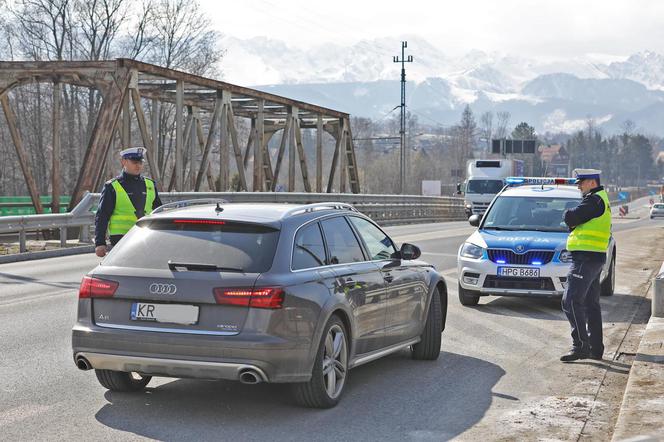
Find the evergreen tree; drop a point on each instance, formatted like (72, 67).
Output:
(524, 131)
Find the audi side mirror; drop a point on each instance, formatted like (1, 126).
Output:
(410, 251)
(474, 220)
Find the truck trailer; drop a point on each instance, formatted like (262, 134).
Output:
(484, 179)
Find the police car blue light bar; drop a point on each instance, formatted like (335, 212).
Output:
(521, 180)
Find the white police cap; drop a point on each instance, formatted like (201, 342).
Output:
(133, 153)
(586, 174)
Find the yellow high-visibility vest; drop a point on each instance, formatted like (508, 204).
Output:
(594, 235)
(123, 217)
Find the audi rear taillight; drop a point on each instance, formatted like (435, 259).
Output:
(272, 298)
(96, 288)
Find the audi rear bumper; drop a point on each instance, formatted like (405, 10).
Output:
(177, 368)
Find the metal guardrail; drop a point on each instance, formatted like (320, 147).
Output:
(79, 217)
(385, 209)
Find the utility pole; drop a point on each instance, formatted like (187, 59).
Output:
(402, 132)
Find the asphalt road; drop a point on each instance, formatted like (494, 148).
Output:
(497, 378)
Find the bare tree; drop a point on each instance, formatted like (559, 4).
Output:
(503, 120)
(486, 128)
(42, 27)
(98, 23)
(184, 38)
(139, 41)
(467, 133)
(7, 32)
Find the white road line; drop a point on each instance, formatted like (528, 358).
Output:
(434, 235)
(20, 300)
(451, 255)
(495, 323)
(559, 314)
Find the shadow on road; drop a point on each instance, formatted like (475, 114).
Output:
(617, 308)
(394, 398)
(25, 280)
(609, 365)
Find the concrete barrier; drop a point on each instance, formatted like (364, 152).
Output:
(658, 294)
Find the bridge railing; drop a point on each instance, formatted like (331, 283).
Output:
(385, 209)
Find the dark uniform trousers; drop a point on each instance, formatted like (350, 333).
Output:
(581, 302)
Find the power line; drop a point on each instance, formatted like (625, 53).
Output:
(438, 123)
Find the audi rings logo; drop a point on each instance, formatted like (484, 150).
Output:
(163, 289)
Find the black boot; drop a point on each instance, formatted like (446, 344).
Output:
(575, 354)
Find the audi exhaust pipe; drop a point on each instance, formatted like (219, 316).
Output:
(83, 364)
(250, 376)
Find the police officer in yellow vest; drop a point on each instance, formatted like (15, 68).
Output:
(124, 200)
(590, 225)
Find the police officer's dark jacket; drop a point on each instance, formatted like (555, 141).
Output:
(134, 185)
(591, 207)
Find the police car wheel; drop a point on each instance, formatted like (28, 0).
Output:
(609, 283)
(122, 381)
(468, 297)
(428, 349)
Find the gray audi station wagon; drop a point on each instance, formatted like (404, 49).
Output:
(257, 293)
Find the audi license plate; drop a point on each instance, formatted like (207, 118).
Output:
(519, 272)
(167, 313)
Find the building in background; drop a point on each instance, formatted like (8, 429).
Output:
(555, 160)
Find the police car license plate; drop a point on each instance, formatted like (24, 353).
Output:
(166, 313)
(519, 272)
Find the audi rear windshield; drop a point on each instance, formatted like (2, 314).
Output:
(153, 243)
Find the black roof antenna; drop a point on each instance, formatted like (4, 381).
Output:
(218, 209)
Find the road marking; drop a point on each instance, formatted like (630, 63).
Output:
(434, 235)
(21, 300)
(494, 324)
(527, 311)
(558, 313)
(452, 255)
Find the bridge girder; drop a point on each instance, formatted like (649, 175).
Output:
(126, 83)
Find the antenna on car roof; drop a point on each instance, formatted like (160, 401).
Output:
(218, 209)
(188, 203)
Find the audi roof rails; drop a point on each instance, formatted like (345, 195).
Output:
(319, 206)
(188, 203)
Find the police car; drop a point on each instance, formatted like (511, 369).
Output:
(519, 246)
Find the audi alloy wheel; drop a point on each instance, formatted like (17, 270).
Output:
(335, 361)
(330, 369)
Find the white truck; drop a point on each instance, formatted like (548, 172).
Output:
(484, 179)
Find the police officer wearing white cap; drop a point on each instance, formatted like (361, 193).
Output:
(590, 232)
(124, 200)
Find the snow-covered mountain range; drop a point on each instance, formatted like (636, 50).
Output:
(551, 94)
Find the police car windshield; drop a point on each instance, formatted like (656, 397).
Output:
(484, 186)
(543, 214)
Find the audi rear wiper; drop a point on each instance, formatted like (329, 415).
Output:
(201, 267)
